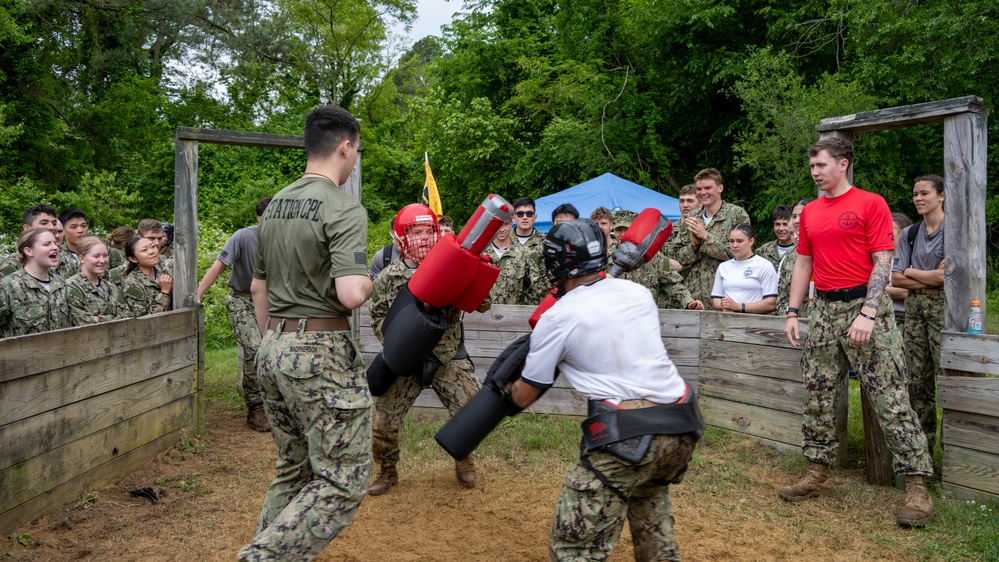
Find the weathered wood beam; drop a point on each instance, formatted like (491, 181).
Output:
(239, 138)
(904, 116)
(185, 218)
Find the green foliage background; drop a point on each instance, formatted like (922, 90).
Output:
(517, 97)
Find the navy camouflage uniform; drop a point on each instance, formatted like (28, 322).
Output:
(27, 307)
(143, 293)
(454, 382)
(521, 280)
(96, 303)
(699, 265)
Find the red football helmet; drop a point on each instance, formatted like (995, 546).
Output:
(416, 231)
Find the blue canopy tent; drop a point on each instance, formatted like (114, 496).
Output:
(608, 191)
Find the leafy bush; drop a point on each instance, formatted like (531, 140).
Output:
(218, 331)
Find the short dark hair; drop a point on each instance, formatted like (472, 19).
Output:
(565, 209)
(445, 221)
(326, 127)
(689, 189)
(524, 202)
(802, 203)
(70, 214)
(33, 211)
(937, 181)
(262, 205)
(746, 229)
(838, 148)
(782, 212)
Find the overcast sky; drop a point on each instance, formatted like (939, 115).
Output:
(432, 15)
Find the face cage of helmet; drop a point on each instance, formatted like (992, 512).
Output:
(418, 241)
(562, 264)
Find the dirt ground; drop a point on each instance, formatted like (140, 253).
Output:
(214, 489)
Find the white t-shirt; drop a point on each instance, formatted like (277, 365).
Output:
(606, 340)
(749, 280)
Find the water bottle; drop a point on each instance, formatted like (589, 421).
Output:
(975, 318)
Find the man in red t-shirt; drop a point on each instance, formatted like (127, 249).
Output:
(847, 241)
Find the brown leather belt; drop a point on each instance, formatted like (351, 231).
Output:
(637, 404)
(311, 324)
(930, 292)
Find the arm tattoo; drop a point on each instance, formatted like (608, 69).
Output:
(879, 277)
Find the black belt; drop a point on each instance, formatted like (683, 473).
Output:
(928, 292)
(843, 295)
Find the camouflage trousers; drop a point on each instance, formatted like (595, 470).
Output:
(825, 360)
(924, 318)
(454, 384)
(244, 326)
(317, 400)
(589, 516)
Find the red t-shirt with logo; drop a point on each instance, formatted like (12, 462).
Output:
(840, 233)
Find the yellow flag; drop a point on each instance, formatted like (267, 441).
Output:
(430, 197)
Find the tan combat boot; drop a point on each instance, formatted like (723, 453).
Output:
(464, 470)
(257, 420)
(918, 507)
(814, 484)
(387, 478)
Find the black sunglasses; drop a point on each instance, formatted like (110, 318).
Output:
(523, 214)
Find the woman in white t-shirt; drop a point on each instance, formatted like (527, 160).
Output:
(747, 282)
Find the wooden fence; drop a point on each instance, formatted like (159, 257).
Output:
(746, 373)
(83, 407)
(970, 415)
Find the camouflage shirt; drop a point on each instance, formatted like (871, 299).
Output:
(533, 242)
(658, 276)
(521, 280)
(388, 284)
(27, 307)
(699, 264)
(143, 294)
(116, 257)
(784, 272)
(771, 251)
(91, 303)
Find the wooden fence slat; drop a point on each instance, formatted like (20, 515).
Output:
(764, 361)
(971, 469)
(774, 394)
(965, 493)
(35, 476)
(777, 426)
(28, 396)
(755, 329)
(240, 138)
(19, 357)
(972, 431)
(972, 353)
(902, 116)
(968, 394)
(33, 436)
(104, 474)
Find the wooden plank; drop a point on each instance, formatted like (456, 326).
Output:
(202, 391)
(680, 323)
(755, 329)
(37, 475)
(965, 181)
(765, 361)
(752, 420)
(971, 469)
(903, 116)
(21, 356)
(963, 493)
(240, 138)
(969, 394)
(110, 472)
(28, 396)
(877, 456)
(27, 438)
(971, 431)
(968, 352)
(773, 394)
(185, 218)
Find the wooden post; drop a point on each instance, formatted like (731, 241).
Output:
(185, 216)
(353, 188)
(965, 151)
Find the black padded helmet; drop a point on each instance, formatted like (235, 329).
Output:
(573, 249)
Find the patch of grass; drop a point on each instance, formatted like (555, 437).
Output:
(962, 530)
(87, 500)
(220, 378)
